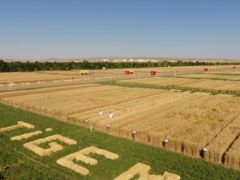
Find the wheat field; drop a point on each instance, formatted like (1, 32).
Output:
(145, 115)
(151, 110)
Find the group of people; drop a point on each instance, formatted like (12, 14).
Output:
(11, 84)
(100, 114)
(110, 114)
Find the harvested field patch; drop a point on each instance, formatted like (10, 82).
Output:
(228, 69)
(232, 77)
(34, 80)
(43, 90)
(17, 77)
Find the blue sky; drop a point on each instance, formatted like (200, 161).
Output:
(90, 28)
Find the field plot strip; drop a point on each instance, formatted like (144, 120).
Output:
(43, 90)
(200, 85)
(231, 156)
(75, 100)
(217, 148)
(37, 80)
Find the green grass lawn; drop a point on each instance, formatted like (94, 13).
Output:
(16, 162)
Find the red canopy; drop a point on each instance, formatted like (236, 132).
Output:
(205, 69)
(153, 73)
(128, 72)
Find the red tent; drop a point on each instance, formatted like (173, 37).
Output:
(128, 72)
(205, 69)
(153, 73)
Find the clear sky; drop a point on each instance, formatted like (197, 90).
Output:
(90, 28)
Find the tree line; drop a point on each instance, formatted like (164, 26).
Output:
(18, 66)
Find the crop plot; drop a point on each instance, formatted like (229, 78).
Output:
(43, 79)
(202, 85)
(61, 104)
(21, 77)
(232, 77)
(179, 117)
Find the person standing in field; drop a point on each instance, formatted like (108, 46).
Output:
(100, 113)
(91, 128)
(110, 115)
